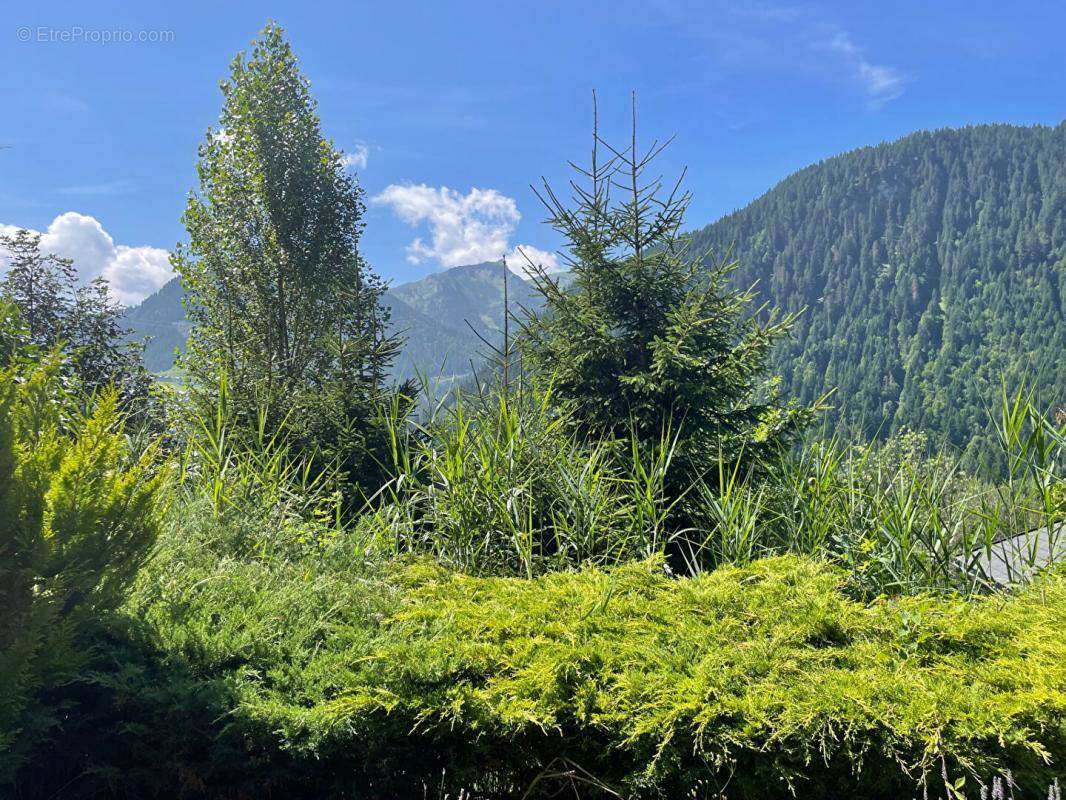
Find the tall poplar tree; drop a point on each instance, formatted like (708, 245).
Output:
(280, 299)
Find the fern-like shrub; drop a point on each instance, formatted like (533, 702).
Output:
(78, 514)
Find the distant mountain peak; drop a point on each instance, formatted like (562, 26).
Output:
(430, 313)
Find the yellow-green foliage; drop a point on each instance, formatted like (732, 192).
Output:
(755, 677)
(77, 516)
(325, 676)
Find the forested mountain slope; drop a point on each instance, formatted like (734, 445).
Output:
(931, 268)
(160, 318)
(431, 315)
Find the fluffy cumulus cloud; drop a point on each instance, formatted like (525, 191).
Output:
(463, 228)
(524, 259)
(133, 273)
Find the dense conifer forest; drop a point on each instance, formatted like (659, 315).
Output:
(929, 270)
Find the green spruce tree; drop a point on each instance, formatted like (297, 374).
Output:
(40, 285)
(643, 337)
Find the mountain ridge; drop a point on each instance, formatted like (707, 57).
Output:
(429, 313)
(932, 269)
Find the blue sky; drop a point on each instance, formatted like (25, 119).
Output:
(442, 98)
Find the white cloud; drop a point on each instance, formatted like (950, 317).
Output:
(882, 84)
(133, 273)
(136, 272)
(464, 228)
(357, 159)
(518, 260)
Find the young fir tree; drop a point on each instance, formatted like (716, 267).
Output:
(645, 337)
(280, 299)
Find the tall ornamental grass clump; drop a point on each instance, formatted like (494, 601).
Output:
(78, 515)
(252, 480)
(900, 518)
(500, 484)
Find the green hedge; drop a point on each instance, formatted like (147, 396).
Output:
(756, 678)
(259, 678)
